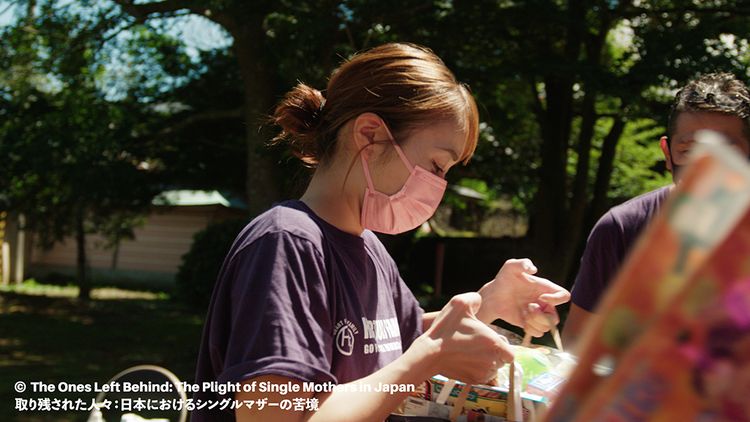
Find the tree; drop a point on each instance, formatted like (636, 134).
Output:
(570, 90)
(274, 45)
(570, 76)
(244, 22)
(68, 161)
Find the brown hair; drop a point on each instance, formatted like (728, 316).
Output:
(715, 93)
(406, 85)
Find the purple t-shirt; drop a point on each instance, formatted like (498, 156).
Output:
(609, 243)
(299, 298)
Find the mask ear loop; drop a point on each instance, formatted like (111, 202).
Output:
(398, 148)
(366, 171)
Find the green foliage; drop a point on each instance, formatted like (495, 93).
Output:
(120, 90)
(640, 163)
(67, 151)
(200, 266)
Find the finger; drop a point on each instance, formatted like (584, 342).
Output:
(504, 350)
(544, 284)
(474, 300)
(527, 266)
(492, 371)
(467, 302)
(555, 298)
(544, 312)
(536, 328)
(551, 315)
(538, 321)
(523, 264)
(533, 331)
(551, 293)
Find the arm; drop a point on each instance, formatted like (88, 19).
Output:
(349, 402)
(456, 344)
(574, 325)
(600, 261)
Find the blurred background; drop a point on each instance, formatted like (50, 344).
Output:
(133, 149)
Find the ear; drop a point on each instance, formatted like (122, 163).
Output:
(664, 145)
(368, 130)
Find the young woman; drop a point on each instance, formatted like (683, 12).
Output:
(308, 296)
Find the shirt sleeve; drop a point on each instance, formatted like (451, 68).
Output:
(601, 260)
(279, 321)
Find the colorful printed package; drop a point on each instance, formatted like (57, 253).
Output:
(656, 321)
(544, 369)
(694, 362)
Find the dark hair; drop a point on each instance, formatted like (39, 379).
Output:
(405, 84)
(715, 93)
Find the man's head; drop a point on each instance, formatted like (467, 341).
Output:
(717, 101)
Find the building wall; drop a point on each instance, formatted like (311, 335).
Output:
(157, 248)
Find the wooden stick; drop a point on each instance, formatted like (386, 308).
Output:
(556, 338)
(514, 411)
(511, 402)
(526, 340)
(458, 405)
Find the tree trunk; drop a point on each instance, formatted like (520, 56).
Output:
(599, 197)
(576, 221)
(604, 172)
(84, 288)
(258, 78)
(577, 213)
(262, 188)
(551, 202)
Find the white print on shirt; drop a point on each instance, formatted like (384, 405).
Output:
(343, 334)
(381, 329)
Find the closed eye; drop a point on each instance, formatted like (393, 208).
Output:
(437, 169)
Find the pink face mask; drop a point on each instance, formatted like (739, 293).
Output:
(408, 208)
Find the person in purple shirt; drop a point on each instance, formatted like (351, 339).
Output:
(308, 298)
(716, 101)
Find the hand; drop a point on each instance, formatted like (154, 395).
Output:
(522, 299)
(466, 348)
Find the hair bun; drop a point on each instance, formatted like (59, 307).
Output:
(298, 115)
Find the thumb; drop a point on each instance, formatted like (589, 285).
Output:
(555, 298)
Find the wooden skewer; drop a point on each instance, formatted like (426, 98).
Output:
(556, 338)
(511, 401)
(458, 405)
(514, 410)
(526, 340)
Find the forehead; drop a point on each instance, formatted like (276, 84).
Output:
(688, 123)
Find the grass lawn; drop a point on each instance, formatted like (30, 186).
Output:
(47, 335)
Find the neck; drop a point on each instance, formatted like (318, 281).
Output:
(336, 197)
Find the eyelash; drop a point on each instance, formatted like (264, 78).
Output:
(437, 169)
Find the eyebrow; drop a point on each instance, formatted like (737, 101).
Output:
(453, 153)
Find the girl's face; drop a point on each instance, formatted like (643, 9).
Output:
(435, 148)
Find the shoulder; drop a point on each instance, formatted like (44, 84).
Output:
(637, 212)
(288, 220)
